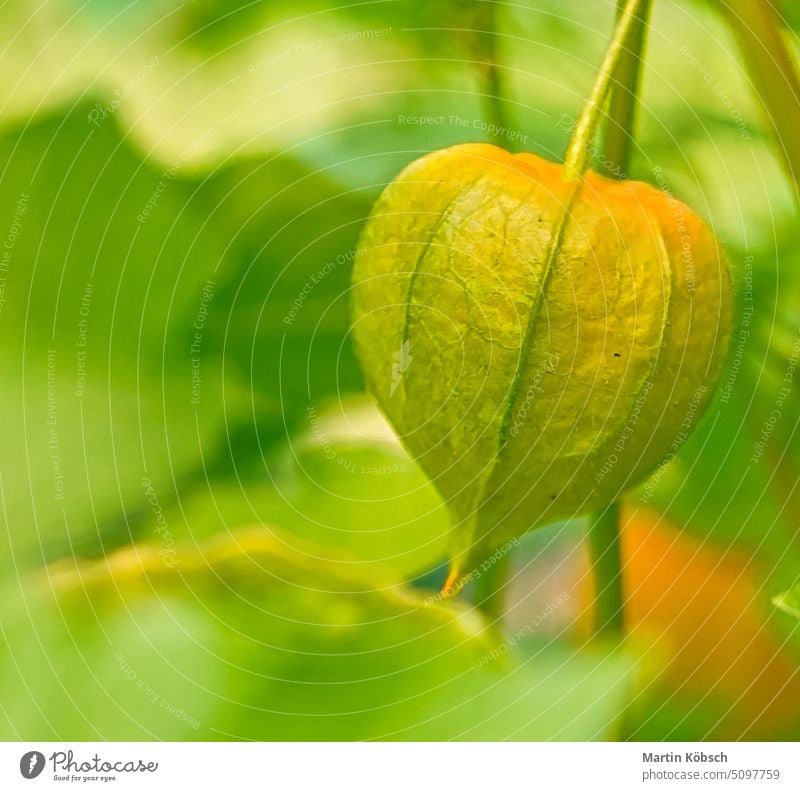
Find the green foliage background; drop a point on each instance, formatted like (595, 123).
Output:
(170, 170)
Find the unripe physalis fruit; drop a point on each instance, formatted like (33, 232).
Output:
(539, 343)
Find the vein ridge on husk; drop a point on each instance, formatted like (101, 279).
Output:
(552, 252)
(446, 213)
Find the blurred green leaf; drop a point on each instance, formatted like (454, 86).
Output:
(142, 322)
(280, 321)
(97, 396)
(344, 483)
(248, 639)
(735, 182)
(199, 81)
(773, 72)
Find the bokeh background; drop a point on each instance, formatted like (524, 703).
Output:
(208, 530)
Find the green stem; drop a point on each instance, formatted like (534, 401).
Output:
(623, 100)
(604, 538)
(773, 73)
(491, 588)
(619, 75)
(577, 154)
(606, 558)
(604, 532)
(485, 22)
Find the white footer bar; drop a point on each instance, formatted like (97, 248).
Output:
(400, 766)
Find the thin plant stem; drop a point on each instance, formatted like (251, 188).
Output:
(491, 588)
(577, 154)
(485, 21)
(619, 76)
(606, 558)
(604, 530)
(622, 103)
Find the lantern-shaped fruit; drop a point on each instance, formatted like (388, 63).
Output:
(540, 344)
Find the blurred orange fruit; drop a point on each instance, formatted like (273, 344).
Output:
(699, 610)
